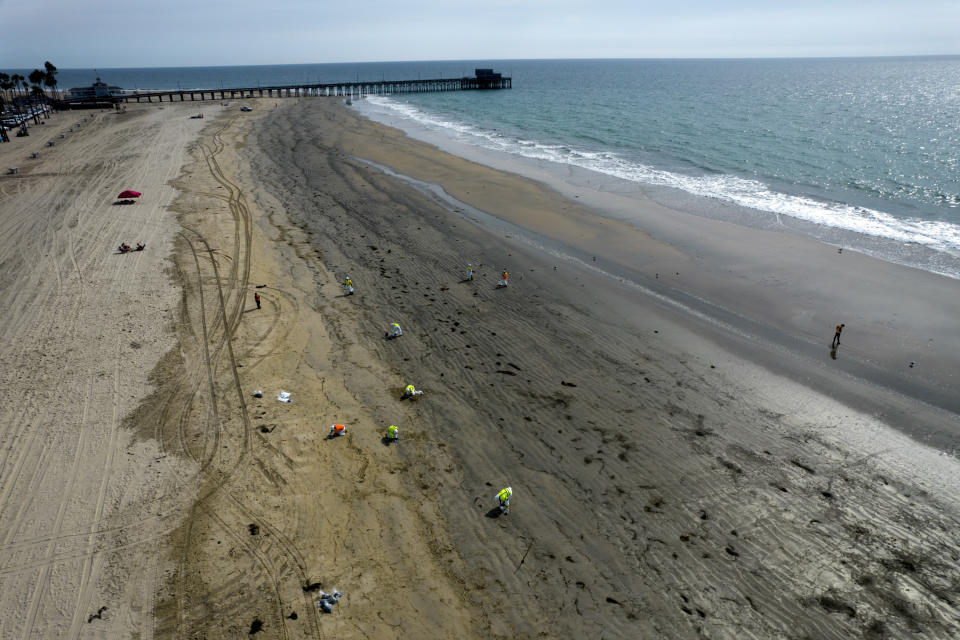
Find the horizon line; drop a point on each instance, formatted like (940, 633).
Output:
(472, 60)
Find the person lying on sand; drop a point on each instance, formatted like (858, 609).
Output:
(124, 247)
(141, 246)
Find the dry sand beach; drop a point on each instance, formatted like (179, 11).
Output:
(685, 463)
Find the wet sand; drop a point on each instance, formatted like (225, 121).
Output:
(675, 475)
(667, 485)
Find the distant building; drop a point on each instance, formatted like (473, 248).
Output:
(486, 74)
(97, 90)
(485, 79)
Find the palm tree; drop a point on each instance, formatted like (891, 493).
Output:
(25, 90)
(51, 78)
(36, 91)
(15, 86)
(5, 85)
(16, 79)
(40, 97)
(19, 84)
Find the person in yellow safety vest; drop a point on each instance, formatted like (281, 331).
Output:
(504, 498)
(349, 285)
(409, 391)
(397, 331)
(393, 433)
(470, 272)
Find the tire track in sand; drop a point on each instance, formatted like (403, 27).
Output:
(281, 560)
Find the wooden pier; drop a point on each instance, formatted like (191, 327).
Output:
(485, 79)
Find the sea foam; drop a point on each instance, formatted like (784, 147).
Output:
(940, 236)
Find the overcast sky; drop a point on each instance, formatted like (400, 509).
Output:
(161, 33)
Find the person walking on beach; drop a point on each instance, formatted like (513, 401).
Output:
(393, 433)
(503, 498)
(397, 331)
(503, 278)
(256, 298)
(470, 272)
(836, 336)
(349, 286)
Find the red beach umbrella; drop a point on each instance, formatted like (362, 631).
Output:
(128, 194)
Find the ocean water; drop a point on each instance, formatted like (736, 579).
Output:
(863, 153)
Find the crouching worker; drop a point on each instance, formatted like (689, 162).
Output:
(393, 433)
(336, 430)
(395, 331)
(409, 392)
(504, 499)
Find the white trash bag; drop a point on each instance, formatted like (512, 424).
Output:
(327, 600)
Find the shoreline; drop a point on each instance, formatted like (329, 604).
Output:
(886, 395)
(749, 288)
(737, 332)
(641, 454)
(582, 181)
(666, 483)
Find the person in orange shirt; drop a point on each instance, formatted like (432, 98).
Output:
(336, 430)
(836, 336)
(503, 279)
